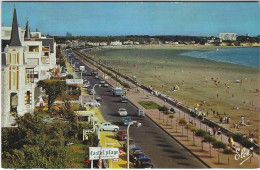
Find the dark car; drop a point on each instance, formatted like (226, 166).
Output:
(135, 155)
(98, 99)
(121, 135)
(123, 99)
(143, 162)
(172, 110)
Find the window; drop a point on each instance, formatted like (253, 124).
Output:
(33, 48)
(14, 59)
(13, 78)
(46, 54)
(28, 97)
(35, 75)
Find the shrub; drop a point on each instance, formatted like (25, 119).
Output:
(219, 144)
(228, 151)
(163, 108)
(208, 138)
(192, 114)
(200, 117)
(182, 121)
(200, 132)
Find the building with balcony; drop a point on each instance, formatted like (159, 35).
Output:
(26, 59)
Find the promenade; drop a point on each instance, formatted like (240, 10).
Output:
(204, 151)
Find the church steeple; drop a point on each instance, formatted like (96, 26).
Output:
(15, 40)
(27, 31)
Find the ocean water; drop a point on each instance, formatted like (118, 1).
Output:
(241, 56)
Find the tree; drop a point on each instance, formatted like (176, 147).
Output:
(52, 87)
(33, 147)
(182, 122)
(209, 139)
(219, 145)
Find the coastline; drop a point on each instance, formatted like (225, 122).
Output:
(197, 74)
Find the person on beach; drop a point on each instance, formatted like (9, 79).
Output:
(220, 120)
(214, 131)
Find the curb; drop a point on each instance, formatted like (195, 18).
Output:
(174, 138)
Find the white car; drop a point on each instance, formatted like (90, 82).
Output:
(85, 85)
(92, 103)
(122, 112)
(108, 127)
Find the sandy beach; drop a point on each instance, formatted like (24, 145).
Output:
(220, 88)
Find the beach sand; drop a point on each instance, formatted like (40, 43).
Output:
(199, 80)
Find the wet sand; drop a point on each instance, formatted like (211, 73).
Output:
(199, 80)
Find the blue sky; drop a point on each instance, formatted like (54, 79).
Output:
(136, 18)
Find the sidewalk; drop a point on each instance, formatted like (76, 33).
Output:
(203, 151)
(108, 139)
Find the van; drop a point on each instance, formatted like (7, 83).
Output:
(117, 91)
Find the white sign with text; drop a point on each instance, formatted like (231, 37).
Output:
(96, 153)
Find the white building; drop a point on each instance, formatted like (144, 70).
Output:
(128, 42)
(228, 36)
(115, 43)
(26, 58)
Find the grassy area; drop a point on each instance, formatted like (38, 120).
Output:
(149, 104)
(78, 153)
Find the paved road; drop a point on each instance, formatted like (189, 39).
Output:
(164, 151)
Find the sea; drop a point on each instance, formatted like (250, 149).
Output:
(246, 56)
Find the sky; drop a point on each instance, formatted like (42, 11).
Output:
(136, 18)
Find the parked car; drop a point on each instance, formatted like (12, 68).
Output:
(143, 162)
(122, 112)
(106, 85)
(84, 72)
(98, 99)
(86, 85)
(126, 121)
(140, 113)
(91, 92)
(102, 82)
(123, 99)
(172, 110)
(121, 135)
(96, 76)
(131, 144)
(92, 103)
(134, 149)
(107, 126)
(111, 88)
(135, 155)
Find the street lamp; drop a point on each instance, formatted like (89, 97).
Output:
(94, 90)
(138, 124)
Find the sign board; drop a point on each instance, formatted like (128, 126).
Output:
(82, 68)
(104, 153)
(74, 82)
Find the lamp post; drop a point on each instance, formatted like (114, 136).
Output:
(94, 90)
(138, 124)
